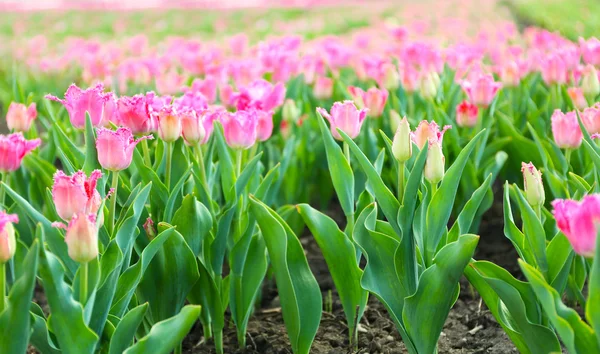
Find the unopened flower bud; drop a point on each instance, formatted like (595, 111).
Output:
(391, 77)
(82, 238)
(290, 111)
(435, 164)
(589, 82)
(430, 83)
(402, 144)
(394, 120)
(534, 187)
(8, 244)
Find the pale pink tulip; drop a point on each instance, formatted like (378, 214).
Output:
(577, 97)
(427, 131)
(168, 119)
(19, 117)
(8, 243)
(115, 148)
(82, 238)
(481, 89)
(323, 88)
(240, 128)
(346, 117)
(192, 128)
(75, 194)
(264, 129)
(591, 119)
(565, 129)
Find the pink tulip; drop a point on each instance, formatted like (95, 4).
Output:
(8, 243)
(591, 119)
(578, 221)
(208, 117)
(75, 194)
(133, 113)
(19, 117)
(323, 88)
(77, 102)
(12, 150)
(238, 44)
(346, 117)
(207, 87)
(240, 128)
(261, 95)
(154, 102)
(82, 238)
(590, 50)
(577, 97)
(373, 99)
(565, 129)
(192, 128)
(169, 83)
(410, 78)
(467, 114)
(115, 148)
(427, 131)
(264, 129)
(168, 119)
(511, 73)
(554, 69)
(481, 90)
(192, 100)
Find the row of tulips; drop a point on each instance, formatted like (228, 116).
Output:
(124, 230)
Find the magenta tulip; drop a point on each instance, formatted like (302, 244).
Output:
(115, 148)
(578, 221)
(12, 150)
(346, 117)
(77, 102)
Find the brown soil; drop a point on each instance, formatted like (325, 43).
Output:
(470, 327)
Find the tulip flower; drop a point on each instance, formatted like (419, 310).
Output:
(207, 87)
(435, 163)
(390, 77)
(346, 117)
(565, 129)
(554, 69)
(19, 117)
(82, 238)
(240, 128)
(481, 90)
(261, 95)
(402, 143)
(589, 82)
(115, 148)
(264, 128)
(12, 150)
(394, 120)
(169, 123)
(373, 99)
(576, 95)
(578, 222)
(426, 131)
(590, 50)
(77, 102)
(511, 73)
(192, 128)
(467, 114)
(75, 194)
(133, 113)
(323, 88)
(534, 187)
(429, 84)
(591, 119)
(290, 111)
(8, 244)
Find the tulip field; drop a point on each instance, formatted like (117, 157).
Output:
(299, 177)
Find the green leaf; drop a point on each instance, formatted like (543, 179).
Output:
(194, 222)
(560, 252)
(175, 271)
(15, 320)
(535, 237)
(514, 305)
(465, 218)
(385, 198)
(440, 208)
(576, 335)
(340, 255)
(512, 232)
(167, 334)
(299, 291)
(125, 330)
(592, 309)
(175, 194)
(67, 321)
(426, 311)
(339, 168)
(40, 337)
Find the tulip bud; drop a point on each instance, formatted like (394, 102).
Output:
(323, 88)
(589, 82)
(402, 144)
(169, 124)
(577, 97)
(82, 238)
(435, 164)
(430, 83)
(8, 244)
(192, 128)
(534, 188)
(20, 117)
(149, 228)
(391, 77)
(290, 111)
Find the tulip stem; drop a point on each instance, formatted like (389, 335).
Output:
(347, 152)
(203, 178)
(4, 179)
(2, 286)
(568, 157)
(218, 341)
(538, 211)
(83, 283)
(401, 183)
(238, 162)
(168, 167)
(178, 349)
(146, 151)
(433, 189)
(113, 201)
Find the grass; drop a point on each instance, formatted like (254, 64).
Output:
(572, 18)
